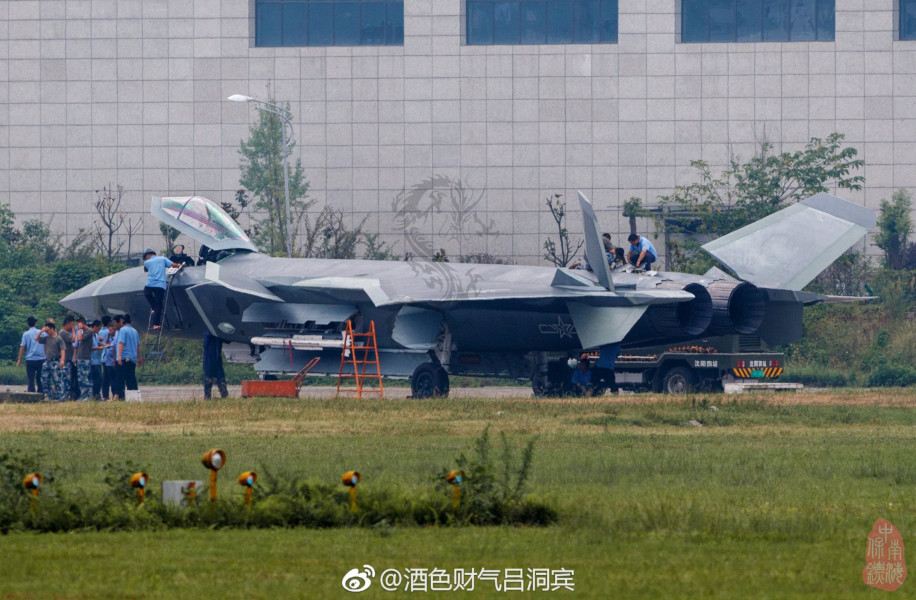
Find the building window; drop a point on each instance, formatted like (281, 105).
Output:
(759, 20)
(329, 23)
(517, 22)
(908, 19)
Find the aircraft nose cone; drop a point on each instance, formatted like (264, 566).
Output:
(83, 300)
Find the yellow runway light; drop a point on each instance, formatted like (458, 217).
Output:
(214, 459)
(247, 480)
(139, 481)
(456, 478)
(350, 479)
(32, 482)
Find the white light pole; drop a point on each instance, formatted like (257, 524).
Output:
(287, 142)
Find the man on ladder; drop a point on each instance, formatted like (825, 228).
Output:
(156, 284)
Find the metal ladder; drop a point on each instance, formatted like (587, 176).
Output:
(153, 348)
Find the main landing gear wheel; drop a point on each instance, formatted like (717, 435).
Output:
(429, 381)
(679, 380)
(554, 382)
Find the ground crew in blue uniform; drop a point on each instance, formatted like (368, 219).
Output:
(34, 356)
(603, 373)
(128, 355)
(641, 253)
(582, 378)
(156, 283)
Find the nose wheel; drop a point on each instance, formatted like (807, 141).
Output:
(429, 381)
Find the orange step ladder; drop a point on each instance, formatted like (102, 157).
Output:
(359, 358)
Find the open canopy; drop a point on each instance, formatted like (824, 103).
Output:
(202, 220)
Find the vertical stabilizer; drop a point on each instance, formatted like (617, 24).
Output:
(594, 248)
(787, 249)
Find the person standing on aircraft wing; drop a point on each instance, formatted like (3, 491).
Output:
(641, 253)
(156, 283)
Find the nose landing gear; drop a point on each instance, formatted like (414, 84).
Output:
(429, 380)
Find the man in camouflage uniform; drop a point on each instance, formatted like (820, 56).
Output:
(84, 339)
(70, 387)
(52, 371)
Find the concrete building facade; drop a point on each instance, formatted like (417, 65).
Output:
(131, 92)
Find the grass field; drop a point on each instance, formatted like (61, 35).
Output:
(772, 497)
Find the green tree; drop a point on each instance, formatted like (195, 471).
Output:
(262, 157)
(377, 249)
(34, 243)
(748, 191)
(9, 235)
(37, 271)
(847, 276)
(169, 235)
(894, 227)
(329, 237)
(632, 209)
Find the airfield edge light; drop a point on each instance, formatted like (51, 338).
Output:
(456, 478)
(140, 481)
(247, 480)
(214, 459)
(350, 479)
(32, 482)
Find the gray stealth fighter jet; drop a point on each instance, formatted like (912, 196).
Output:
(433, 319)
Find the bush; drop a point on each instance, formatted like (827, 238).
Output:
(493, 494)
(10, 374)
(892, 376)
(493, 488)
(818, 376)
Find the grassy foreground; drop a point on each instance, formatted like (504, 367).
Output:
(773, 496)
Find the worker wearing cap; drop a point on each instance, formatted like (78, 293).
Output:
(156, 283)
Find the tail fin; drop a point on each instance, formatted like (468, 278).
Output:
(594, 248)
(788, 249)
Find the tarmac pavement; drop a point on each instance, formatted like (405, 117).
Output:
(183, 393)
